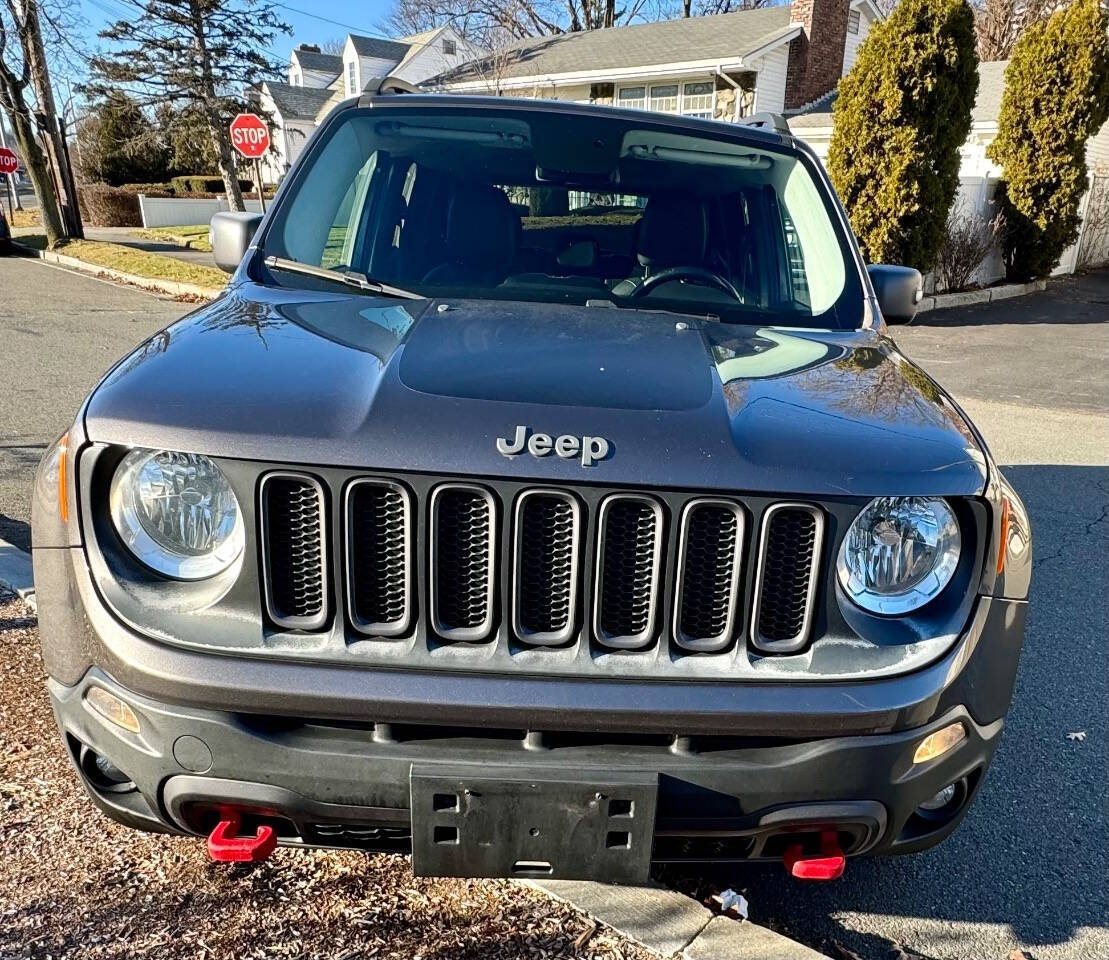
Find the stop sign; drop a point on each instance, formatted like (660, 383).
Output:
(9, 162)
(250, 135)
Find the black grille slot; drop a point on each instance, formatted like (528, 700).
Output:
(546, 567)
(294, 551)
(712, 540)
(378, 572)
(790, 549)
(630, 551)
(462, 563)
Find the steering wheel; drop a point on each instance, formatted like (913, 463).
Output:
(693, 275)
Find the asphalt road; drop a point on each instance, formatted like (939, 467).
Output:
(1028, 867)
(59, 333)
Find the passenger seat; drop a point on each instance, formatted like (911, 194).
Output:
(483, 235)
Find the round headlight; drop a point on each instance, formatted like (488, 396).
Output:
(899, 554)
(177, 513)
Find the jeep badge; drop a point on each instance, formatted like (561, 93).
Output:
(592, 449)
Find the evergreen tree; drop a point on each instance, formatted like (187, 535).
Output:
(1056, 98)
(901, 116)
(194, 54)
(118, 144)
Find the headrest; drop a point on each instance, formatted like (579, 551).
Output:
(673, 232)
(482, 226)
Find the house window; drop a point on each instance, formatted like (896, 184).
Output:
(664, 98)
(632, 98)
(450, 48)
(853, 21)
(697, 99)
(352, 78)
(294, 78)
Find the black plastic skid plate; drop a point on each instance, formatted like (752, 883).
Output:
(489, 821)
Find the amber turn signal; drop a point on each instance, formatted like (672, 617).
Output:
(1003, 546)
(112, 709)
(938, 743)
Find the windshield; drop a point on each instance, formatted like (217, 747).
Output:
(592, 208)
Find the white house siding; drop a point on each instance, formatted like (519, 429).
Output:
(430, 60)
(314, 78)
(854, 41)
(373, 68)
(770, 89)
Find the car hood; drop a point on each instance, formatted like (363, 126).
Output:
(429, 386)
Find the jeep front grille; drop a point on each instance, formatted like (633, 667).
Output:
(629, 550)
(785, 592)
(379, 576)
(710, 560)
(294, 550)
(591, 574)
(546, 545)
(463, 561)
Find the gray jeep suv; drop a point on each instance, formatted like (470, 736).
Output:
(544, 496)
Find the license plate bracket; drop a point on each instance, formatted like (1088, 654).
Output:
(493, 822)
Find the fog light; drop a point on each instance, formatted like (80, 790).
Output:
(113, 709)
(940, 800)
(938, 743)
(108, 770)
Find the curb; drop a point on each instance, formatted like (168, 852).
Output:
(941, 301)
(16, 574)
(171, 287)
(672, 924)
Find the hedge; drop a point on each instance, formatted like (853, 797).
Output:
(203, 183)
(104, 206)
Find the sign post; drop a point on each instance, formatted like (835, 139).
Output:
(9, 163)
(251, 138)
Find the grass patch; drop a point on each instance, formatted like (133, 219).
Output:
(25, 218)
(193, 237)
(152, 266)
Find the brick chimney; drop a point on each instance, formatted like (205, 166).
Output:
(816, 57)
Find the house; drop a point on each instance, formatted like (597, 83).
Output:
(724, 66)
(318, 81)
(978, 175)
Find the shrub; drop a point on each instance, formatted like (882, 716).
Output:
(104, 206)
(967, 241)
(1056, 97)
(149, 188)
(901, 116)
(203, 183)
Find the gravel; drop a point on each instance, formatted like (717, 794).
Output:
(74, 884)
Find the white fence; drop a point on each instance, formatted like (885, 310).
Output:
(185, 211)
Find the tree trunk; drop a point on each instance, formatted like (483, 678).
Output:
(686, 5)
(221, 135)
(221, 140)
(39, 171)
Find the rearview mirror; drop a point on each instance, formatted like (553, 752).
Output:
(899, 291)
(230, 235)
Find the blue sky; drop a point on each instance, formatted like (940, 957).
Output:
(308, 18)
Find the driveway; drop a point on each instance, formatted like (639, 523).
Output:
(1028, 867)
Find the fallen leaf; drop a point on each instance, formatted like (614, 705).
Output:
(1078, 735)
(584, 936)
(1023, 954)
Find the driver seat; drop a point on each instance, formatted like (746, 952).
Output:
(673, 232)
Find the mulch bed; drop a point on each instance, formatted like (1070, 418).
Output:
(74, 884)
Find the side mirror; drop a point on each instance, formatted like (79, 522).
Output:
(230, 235)
(899, 291)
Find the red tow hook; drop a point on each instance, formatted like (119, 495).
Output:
(828, 866)
(225, 847)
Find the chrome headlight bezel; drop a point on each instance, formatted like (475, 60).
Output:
(156, 550)
(918, 591)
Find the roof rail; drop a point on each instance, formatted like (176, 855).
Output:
(767, 121)
(391, 84)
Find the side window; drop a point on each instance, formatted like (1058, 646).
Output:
(795, 255)
(342, 237)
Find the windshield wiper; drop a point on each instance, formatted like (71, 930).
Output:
(351, 278)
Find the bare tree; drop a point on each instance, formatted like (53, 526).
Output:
(708, 8)
(1000, 22)
(198, 54)
(968, 240)
(335, 46)
(22, 63)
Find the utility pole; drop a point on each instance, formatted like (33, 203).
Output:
(13, 190)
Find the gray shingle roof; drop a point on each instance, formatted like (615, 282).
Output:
(323, 62)
(724, 37)
(298, 103)
(379, 49)
(987, 108)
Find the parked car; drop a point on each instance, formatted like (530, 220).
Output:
(5, 236)
(544, 496)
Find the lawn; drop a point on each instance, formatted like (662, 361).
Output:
(152, 266)
(195, 237)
